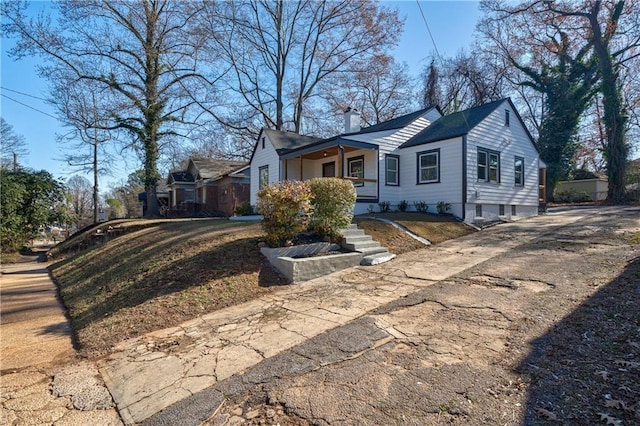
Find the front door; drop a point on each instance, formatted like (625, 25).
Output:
(329, 169)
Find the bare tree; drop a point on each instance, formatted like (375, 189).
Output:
(380, 93)
(79, 191)
(280, 51)
(12, 147)
(550, 59)
(464, 81)
(603, 21)
(144, 53)
(81, 106)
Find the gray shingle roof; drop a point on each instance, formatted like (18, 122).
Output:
(453, 125)
(394, 123)
(285, 141)
(211, 169)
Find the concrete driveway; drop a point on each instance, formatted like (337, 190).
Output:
(432, 337)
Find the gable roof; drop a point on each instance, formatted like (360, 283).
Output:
(453, 125)
(395, 123)
(212, 169)
(285, 141)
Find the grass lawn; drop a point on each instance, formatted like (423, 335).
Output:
(158, 274)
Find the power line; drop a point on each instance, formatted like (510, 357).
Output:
(435, 46)
(29, 106)
(22, 93)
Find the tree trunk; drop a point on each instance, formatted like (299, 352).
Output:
(616, 151)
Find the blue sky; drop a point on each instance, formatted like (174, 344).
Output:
(452, 24)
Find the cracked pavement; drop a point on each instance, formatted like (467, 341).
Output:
(366, 343)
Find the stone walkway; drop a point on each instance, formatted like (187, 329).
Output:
(201, 353)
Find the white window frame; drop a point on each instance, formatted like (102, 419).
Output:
(420, 168)
(394, 159)
(488, 166)
(520, 173)
(353, 161)
(263, 179)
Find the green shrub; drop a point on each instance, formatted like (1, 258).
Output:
(421, 206)
(332, 200)
(403, 205)
(443, 207)
(571, 196)
(244, 209)
(286, 207)
(385, 206)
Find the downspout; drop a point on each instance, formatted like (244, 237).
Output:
(464, 176)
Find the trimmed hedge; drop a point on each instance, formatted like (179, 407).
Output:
(332, 200)
(286, 207)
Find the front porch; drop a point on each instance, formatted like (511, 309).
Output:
(346, 159)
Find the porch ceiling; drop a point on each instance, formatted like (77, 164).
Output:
(329, 152)
(331, 147)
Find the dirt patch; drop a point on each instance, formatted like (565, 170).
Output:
(434, 228)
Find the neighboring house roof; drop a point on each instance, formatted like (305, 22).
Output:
(214, 169)
(285, 141)
(395, 123)
(180, 176)
(453, 125)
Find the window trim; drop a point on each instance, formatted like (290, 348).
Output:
(515, 171)
(386, 169)
(418, 168)
(261, 183)
(352, 160)
(488, 153)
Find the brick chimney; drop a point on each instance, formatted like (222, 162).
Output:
(351, 120)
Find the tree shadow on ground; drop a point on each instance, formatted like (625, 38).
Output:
(142, 286)
(586, 369)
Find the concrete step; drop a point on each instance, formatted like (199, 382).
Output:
(373, 250)
(359, 246)
(376, 259)
(357, 239)
(352, 232)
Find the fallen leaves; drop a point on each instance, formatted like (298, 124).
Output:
(610, 420)
(546, 414)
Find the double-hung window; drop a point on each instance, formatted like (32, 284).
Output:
(488, 166)
(392, 170)
(429, 166)
(518, 169)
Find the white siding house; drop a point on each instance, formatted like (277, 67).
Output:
(481, 161)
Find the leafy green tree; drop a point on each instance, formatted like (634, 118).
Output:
(29, 200)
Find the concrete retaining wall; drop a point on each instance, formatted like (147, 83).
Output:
(307, 268)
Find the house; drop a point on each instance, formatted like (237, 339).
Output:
(208, 187)
(482, 161)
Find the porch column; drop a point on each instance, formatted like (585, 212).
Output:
(341, 161)
(301, 168)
